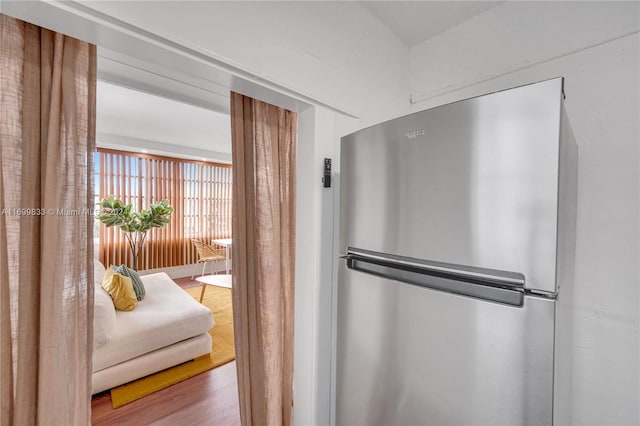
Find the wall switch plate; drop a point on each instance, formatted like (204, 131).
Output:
(326, 180)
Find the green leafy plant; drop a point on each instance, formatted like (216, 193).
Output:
(134, 224)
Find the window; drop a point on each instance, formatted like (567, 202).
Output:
(200, 193)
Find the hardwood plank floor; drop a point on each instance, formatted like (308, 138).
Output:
(210, 398)
(187, 282)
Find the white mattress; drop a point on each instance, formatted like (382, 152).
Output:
(166, 315)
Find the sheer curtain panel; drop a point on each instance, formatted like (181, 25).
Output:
(47, 125)
(264, 141)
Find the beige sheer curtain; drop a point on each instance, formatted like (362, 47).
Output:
(47, 125)
(264, 141)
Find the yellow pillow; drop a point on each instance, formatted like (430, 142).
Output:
(120, 288)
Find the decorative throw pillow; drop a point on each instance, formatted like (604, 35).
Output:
(104, 316)
(98, 271)
(120, 288)
(138, 287)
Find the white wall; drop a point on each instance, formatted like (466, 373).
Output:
(511, 37)
(515, 44)
(314, 264)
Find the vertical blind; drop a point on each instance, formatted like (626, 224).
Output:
(199, 192)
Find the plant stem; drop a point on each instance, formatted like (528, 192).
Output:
(133, 250)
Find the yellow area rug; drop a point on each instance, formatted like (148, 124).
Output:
(218, 299)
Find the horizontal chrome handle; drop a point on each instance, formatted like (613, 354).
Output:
(460, 271)
(509, 296)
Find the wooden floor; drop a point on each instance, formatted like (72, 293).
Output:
(210, 398)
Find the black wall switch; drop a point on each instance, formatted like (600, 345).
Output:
(327, 173)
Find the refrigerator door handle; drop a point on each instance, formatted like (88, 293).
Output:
(490, 276)
(437, 281)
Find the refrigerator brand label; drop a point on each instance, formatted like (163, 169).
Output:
(414, 134)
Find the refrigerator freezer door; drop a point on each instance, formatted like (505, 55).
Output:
(409, 355)
(472, 183)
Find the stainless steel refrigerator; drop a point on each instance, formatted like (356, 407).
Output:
(457, 230)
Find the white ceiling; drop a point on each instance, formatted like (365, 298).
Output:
(416, 21)
(159, 125)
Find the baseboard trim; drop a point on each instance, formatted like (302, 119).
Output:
(187, 270)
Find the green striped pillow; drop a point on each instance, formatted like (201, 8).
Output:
(138, 287)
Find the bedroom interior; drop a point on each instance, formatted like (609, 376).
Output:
(340, 77)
